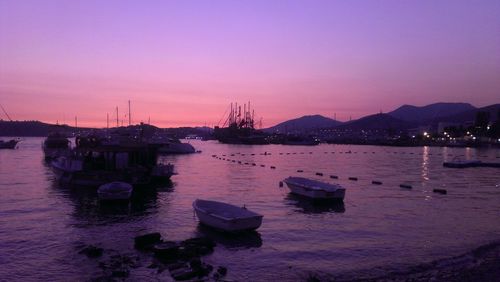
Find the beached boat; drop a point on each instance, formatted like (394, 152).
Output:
(11, 144)
(56, 145)
(314, 189)
(115, 191)
(226, 217)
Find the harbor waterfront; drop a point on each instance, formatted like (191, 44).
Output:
(375, 230)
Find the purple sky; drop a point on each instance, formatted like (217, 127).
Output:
(183, 62)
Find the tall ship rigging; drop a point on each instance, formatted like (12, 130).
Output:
(239, 127)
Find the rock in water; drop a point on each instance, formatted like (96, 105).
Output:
(91, 251)
(147, 241)
(166, 250)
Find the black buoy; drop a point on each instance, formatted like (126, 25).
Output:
(319, 173)
(262, 165)
(377, 182)
(254, 164)
(407, 186)
(334, 177)
(273, 167)
(300, 170)
(353, 178)
(440, 191)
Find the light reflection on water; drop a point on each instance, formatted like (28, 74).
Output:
(377, 225)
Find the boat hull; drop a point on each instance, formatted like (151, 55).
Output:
(239, 225)
(223, 219)
(8, 144)
(315, 193)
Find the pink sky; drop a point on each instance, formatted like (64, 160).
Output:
(182, 62)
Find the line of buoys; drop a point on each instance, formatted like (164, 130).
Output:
(440, 191)
(406, 186)
(300, 170)
(334, 177)
(319, 173)
(273, 167)
(353, 178)
(377, 182)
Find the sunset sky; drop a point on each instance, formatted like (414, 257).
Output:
(182, 62)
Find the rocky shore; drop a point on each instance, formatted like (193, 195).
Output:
(481, 264)
(182, 259)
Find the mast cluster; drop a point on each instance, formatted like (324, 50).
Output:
(241, 119)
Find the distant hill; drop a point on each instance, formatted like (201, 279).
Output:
(377, 122)
(41, 129)
(31, 128)
(430, 112)
(469, 116)
(303, 124)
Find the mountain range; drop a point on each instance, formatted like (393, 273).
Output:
(303, 124)
(404, 117)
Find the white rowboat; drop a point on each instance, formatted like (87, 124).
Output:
(314, 189)
(226, 217)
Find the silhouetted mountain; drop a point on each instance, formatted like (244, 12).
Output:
(377, 122)
(304, 123)
(37, 128)
(430, 112)
(469, 116)
(31, 128)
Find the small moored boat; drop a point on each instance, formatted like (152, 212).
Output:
(226, 217)
(115, 191)
(11, 144)
(314, 189)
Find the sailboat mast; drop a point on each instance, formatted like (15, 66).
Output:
(129, 115)
(117, 122)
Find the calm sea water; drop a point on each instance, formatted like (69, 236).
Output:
(378, 228)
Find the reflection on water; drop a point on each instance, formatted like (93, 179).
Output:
(425, 163)
(245, 240)
(88, 209)
(307, 205)
(375, 226)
